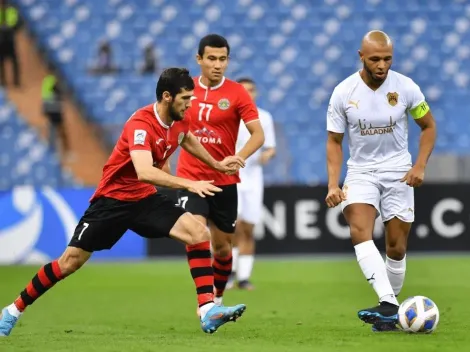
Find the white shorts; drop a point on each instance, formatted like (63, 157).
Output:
(250, 202)
(383, 190)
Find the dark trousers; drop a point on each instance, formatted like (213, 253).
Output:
(8, 51)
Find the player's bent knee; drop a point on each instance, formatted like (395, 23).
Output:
(396, 251)
(189, 230)
(72, 259)
(199, 233)
(222, 249)
(221, 241)
(397, 238)
(361, 220)
(360, 234)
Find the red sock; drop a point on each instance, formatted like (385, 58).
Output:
(222, 269)
(199, 260)
(46, 277)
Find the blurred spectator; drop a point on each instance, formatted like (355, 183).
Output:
(104, 62)
(150, 64)
(52, 96)
(9, 25)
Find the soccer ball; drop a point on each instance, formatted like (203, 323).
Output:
(418, 314)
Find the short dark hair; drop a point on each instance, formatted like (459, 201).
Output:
(246, 80)
(174, 80)
(214, 41)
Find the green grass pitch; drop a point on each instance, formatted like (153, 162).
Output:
(297, 306)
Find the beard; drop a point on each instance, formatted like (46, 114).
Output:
(175, 115)
(373, 77)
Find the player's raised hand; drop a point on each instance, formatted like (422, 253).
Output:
(335, 196)
(414, 177)
(203, 188)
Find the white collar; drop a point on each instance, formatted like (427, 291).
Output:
(384, 83)
(212, 88)
(163, 124)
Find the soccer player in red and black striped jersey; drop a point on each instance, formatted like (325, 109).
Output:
(220, 105)
(126, 198)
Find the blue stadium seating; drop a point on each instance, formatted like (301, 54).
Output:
(24, 158)
(296, 51)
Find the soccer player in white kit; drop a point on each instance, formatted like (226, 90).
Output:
(372, 105)
(250, 195)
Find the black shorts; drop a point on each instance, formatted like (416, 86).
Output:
(221, 209)
(107, 219)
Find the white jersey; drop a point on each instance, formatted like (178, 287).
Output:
(253, 162)
(376, 121)
(251, 187)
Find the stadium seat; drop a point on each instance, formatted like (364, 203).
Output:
(296, 50)
(24, 157)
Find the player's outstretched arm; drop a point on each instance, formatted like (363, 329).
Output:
(334, 159)
(229, 165)
(256, 140)
(143, 164)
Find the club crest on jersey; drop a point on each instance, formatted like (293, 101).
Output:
(392, 98)
(223, 104)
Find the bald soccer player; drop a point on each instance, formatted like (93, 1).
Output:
(373, 105)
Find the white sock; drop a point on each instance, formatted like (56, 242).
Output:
(14, 311)
(205, 308)
(235, 252)
(245, 266)
(396, 273)
(217, 301)
(373, 267)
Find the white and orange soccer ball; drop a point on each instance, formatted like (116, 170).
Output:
(418, 314)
